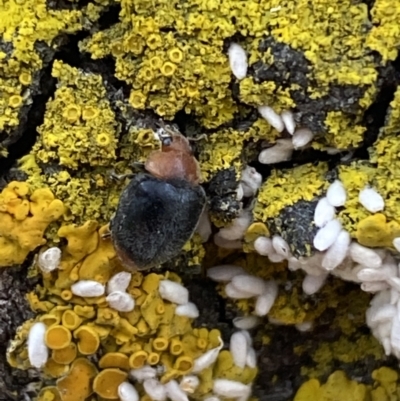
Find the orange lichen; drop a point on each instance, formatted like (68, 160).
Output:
(107, 381)
(160, 344)
(114, 360)
(375, 231)
(183, 364)
(138, 359)
(55, 369)
(71, 320)
(49, 394)
(58, 337)
(175, 347)
(65, 355)
(88, 340)
(24, 219)
(77, 385)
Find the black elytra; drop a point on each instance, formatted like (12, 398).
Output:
(155, 218)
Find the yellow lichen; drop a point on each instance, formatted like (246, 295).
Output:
(285, 188)
(22, 27)
(58, 337)
(55, 369)
(24, 218)
(384, 36)
(88, 340)
(49, 394)
(64, 136)
(76, 385)
(114, 360)
(339, 387)
(107, 381)
(65, 355)
(71, 320)
(375, 231)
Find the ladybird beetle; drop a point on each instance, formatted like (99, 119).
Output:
(159, 210)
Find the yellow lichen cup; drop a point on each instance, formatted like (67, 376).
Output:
(138, 359)
(176, 347)
(175, 55)
(160, 344)
(168, 69)
(103, 140)
(71, 320)
(57, 337)
(89, 340)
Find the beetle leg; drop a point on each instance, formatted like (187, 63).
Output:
(119, 177)
(198, 138)
(106, 235)
(138, 167)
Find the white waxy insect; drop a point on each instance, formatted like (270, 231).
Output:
(276, 257)
(395, 336)
(280, 152)
(382, 298)
(294, 264)
(207, 359)
(144, 373)
(189, 384)
(336, 194)
(288, 121)
(246, 322)
(302, 137)
(224, 273)
(37, 350)
(231, 388)
(119, 282)
(173, 292)
(49, 260)
(189, 310)
(265, 301)
(375, 274)
(121, 301)
(174, 392)
(87, 288)
(394, 283)
(384, 328)
(363, 255)
(272, 117)
(336, 253)
(324, 212)
(371, 200)
(239, 192)
(304, 326)
(204, 226)
(238, 347)
(250, 181)
(235, 293)
(127, 392)
(238, 227)
(374, 286)
(387, 346)
(396, 244)
(263, 246)
(384, 313)
(327, 235)
(251, 358)
(155, 390)
(249, 284)
(394, 295)
(227, 244)
(238, 60)
(312, 284)
(280, 246)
